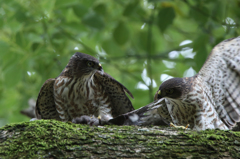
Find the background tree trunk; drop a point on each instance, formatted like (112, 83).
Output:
(54, 139)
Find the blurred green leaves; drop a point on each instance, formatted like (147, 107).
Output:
(121, 33)
(93, 20)
(37, 38)
(165, 17)
(199, 45)
(199, 14)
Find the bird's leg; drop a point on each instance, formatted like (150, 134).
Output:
(85, 119)
(182, 127)
(91, 120)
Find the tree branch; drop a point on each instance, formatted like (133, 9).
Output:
(54, 139)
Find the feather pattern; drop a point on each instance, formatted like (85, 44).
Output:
(82, 88)
(208, 100)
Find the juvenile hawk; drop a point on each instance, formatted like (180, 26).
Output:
(82, 89)
(208, 100)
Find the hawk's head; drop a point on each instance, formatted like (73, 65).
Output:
(174, 88)
(82, 64)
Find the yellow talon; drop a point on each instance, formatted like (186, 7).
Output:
(99, 117)
(182, 127)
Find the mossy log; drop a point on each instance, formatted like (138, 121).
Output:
(54, 139)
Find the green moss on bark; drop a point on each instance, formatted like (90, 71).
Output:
(50, 138)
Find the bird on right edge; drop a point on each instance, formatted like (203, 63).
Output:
(208, 100)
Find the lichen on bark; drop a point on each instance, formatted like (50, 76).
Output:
(54, 139)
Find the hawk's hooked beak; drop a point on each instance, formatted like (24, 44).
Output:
(157, 95)
(100, 67)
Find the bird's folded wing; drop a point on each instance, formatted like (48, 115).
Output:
(147, 115)
(45, 106)
(116, 91)
(221, 77)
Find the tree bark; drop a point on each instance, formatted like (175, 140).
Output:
(54, 139)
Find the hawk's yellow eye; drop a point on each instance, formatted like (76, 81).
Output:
(159, 92)
(90, 63)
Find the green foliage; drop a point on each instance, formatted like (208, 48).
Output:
(130, 38)
(165, 17)
(121, 33)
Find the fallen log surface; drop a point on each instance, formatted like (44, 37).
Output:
(54, 139)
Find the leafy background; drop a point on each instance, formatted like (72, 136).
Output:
(140, 43)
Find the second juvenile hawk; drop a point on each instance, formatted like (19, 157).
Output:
(208, 100)
(82, 89)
